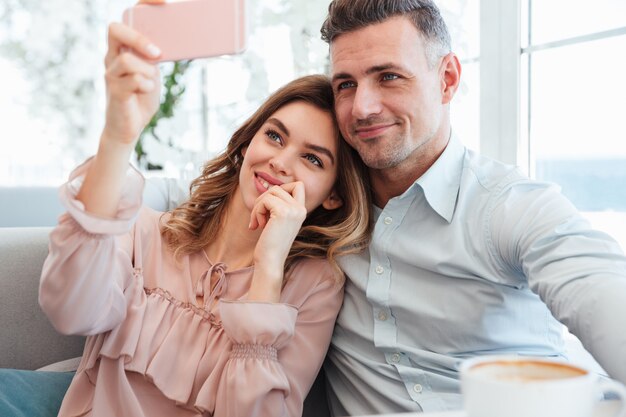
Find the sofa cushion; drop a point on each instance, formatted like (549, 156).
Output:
(32, 393)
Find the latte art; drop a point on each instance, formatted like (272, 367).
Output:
(525, 371)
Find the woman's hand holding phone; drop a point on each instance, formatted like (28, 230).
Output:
(132, 84)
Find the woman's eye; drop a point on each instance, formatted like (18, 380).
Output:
(274, 136)
(389, 77)
(314, 160)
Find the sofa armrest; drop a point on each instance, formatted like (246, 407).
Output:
(29, 206)
(27, 339)
(41, 207)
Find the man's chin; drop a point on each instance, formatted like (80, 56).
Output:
(379, 162)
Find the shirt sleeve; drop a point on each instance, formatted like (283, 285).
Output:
(277, 351)
(579, 272)
(89, 261)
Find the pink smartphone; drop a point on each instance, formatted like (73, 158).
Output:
(190, 29)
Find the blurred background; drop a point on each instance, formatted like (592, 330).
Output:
(543, 87)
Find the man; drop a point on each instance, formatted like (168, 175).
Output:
(468, 256)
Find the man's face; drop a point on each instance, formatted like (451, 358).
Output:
(388, 100)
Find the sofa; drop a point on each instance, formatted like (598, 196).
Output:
(27, 339)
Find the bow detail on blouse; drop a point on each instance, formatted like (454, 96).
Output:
(204, 284)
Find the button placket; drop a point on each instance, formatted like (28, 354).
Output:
(379, 284)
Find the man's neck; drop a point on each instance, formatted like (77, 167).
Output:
(392, 182)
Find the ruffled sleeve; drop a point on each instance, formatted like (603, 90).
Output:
(278, 349)
(88, 267)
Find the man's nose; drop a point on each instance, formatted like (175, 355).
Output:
(366, 102)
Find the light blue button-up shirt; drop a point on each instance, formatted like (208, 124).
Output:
(473, 259)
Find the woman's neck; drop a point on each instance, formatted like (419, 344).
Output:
(234, 243)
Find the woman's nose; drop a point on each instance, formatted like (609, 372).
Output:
(280, 165)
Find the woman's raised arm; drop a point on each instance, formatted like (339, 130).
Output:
(132, 84)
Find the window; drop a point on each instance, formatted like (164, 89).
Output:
(552, 99)
(51, 57)
(575, 99)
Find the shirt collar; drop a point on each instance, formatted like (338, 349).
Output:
(442, 181)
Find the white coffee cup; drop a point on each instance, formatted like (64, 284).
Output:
(518, 386)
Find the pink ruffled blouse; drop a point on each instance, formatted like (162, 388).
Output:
(151, 350)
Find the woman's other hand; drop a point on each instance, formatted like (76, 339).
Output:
(280, 212)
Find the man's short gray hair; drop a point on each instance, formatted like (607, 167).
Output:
(349, 15)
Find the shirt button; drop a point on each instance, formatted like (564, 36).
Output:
(380, 269)
(395, 358)
(388, 220)
(417, 388)
(382, 316)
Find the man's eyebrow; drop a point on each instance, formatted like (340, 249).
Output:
(321, 149)
(341, 76)
(278, 124)
(383, 67)
(371, 70)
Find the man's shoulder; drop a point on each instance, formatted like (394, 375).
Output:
(490, 185)
(490, 173)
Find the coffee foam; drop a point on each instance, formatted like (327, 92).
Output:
(525, 371)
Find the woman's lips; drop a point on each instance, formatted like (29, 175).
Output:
(264, 181)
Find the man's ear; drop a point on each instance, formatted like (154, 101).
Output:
(450, 74)
(333, 201)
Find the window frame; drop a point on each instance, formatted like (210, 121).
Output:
(505, 81)
(500, 36)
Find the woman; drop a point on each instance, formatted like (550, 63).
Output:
(226, 305)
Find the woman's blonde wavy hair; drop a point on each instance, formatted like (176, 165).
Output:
(324, 234)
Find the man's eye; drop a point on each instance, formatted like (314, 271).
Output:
(345, 84)
(389, 77)
(274, 136)
(314, 160)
